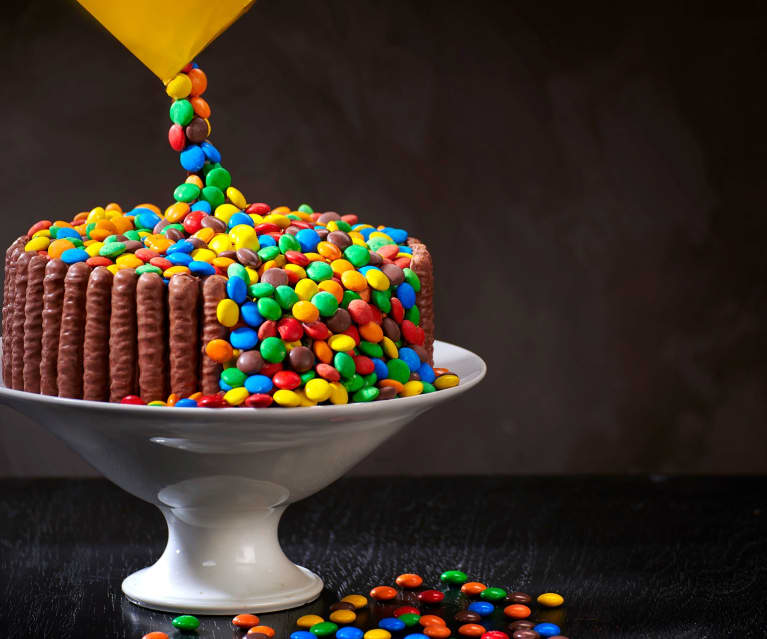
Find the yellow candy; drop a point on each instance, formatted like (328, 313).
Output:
(236, 396)
(37, 244)
(298, 270)
(128, 260)
(314, 257)
(342, 616)
(42, 233)
(236, 197)
(287, 398)
(203, 255)
(412, 388)
(95, 215)
(377, 279)
(176, 212)
(307, 621)
(252, 273)
(551, 599)
(306, 289)
(318, 390)
(305, 401)
(222, 262)
(354, 280)
(157, 402)
(341, 342)
(113, 268)
(379, 234)
(305, 311)
(362, 227)
(175, 270)
(377, 633)
(339, 395)
(289, 346)
(179, 87)
(93, 248)
(220, 243)
(225, 211)
(390, 348)
(205, 234)
(341, 266)
(244, 236)
(359, 241)
(280, 220)
(358, 601)
(446, 381)
(257, 219)
(227, 312)
(158, 243)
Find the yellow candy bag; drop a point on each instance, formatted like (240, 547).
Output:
(166, 34)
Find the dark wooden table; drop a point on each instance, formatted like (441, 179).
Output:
(634, 557)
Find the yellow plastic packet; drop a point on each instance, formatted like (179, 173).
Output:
(166, 34)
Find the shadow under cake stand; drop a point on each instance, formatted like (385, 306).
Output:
(223, 477)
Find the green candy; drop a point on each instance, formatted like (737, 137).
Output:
(412, 279)
(76, 241)
(53, 230)
(234, 377)
(319, 271)
(399, 371)
(186, 623)
(355, 383)
(357, 255)
(186, 192)
(454, 577)
(344, 364)
(428, 388)
(343, 226)
(213, 196)
(375, 243)
(148, 268)
(261, 289)
(181, 112)
(209, 166)
(410, 619)
(492, 594)
(305, 208)
(219, 177)
(89, 228)
(288, 243)
(238, 270)
(285, 296)
(305, 377)
(110, 239)
(382, 299)
(269, 309)
(293, 216)
(273, 349)
(323, 629)
(113, 249)
(268, 253)
(326, 303)
(132, 235)
(168, 227)
(413, 314)
(370, 349)
(367, 394)
(370, 379)
(348, 297)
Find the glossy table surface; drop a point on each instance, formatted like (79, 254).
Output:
(635, 557)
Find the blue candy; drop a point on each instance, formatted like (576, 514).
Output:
(308, 239)
(211, 152)
(201, 268)
(145, 218)
(266, 240)
(406, 295)
(398, 235)
(243, 338)
(406, 249)
(348, 632)
(223, 385)
(547, 629)
(192, 158)
(365, 232)
(182, 246)
(258, 384)
(186, 403)
(73, 255)
(426, 373)
(66, 232)
(250, 314)
(381, 370)
(202, 205)
(237, 289)
(410, 357)
(179, 259)
(240, 218)
(416, 635)
(302, 634)
(392, 624)
(482, 608)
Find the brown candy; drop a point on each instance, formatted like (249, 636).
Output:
(514, 597)
(247, 257)
(150, 314)
(98, 298)
(212, 222)
(123, 330)
(53, 302)
(391, 329)
(174, 235)
(183, 311)
(250, 362)
(196, 242)
(521, 624)
(131, 246)
(301, 359)
(342, 605)
(72, 336)
(467, 616)
(375, 259)
(395, 274)
(339, 239)
(33, 323)
(387, 392)
(525, 634)
(157, 229)
(197, 130)
(229, 255)
(276, 277)
(328, 216)
(340, 321)
(213, 291)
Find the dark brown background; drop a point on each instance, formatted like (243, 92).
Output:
(591, 181)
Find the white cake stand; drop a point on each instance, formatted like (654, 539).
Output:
(223, 477)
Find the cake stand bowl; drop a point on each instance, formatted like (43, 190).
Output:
(223, 477)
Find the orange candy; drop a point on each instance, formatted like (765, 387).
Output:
(265, 630)
(396, 386)
(176, 212)
(409, 580)
(57, 247)
(334, 288)
(517, 611)
(322, 351)
(200, 107)
(472, 588)
(431, 620)
(371, 332)
(155, 635)
(471, 630)
(383, 593)
(436, 631)
(328, 250)
(199, 81)
(219, 350)
(245, 621)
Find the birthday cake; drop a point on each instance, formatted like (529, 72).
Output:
(218, 301)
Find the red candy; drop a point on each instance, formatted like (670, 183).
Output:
(364, 365)
(290, 329)
(412, 333)
(316, 330)
(193, 221)
(39, 226)
(258, 400)
(132, 399)
(397, 310)
(145, 254)
(259, 208)
(406, 610)
(211, 401)
(353, 333)
(296, 257)
(287, 380)
(267, 329)
(388, 251)
(350, 219)
(326, 371)
(494, 634)
(176, 137)
(360, 312)
(431, 596)
(98, 260)
(161, 262)
(270, 369)
(266, 227)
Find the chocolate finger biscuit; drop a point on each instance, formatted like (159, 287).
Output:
(53, 303)
(123, 348)
(98, 298)
(21, 277)
(9, 289)
(150, 316)
(213, 291)
(33, 323)
(183, 298)
(70, 361)
(421, 264)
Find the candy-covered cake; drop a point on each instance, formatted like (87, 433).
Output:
(217, 301)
